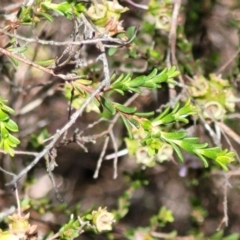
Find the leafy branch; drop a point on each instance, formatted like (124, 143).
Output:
(154, 135)
(7, 141)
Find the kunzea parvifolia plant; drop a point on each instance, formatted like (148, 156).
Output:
(92, 56)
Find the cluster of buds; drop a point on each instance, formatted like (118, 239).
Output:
(214, 94)
(106, 16)
(162, 12)
(19, 229)
(102, 219)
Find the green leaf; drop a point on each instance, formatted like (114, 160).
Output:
(80, 7)
(125, 109)
(153, 73)
(176, 107)
(233, 236)
(149, 85)
(146, 124)
(7, 109)
(18, 50)
(131, 31)
(177, 150)
(108, 105)
(46, 15)
(119, 91)
(46, 63)
(118, 80)
(11, 125)
(134, 122)
(172, 72)
(3, 116)
(186, 110)
(128, 126)
(165, 120)
(14, 61)
(225, 158)
(13, 140)
(8, 149)
(163, 77)
(192, 140)
(4, 131)
(203, 159)
(164, 113)
(139, 81)
(209, 152)
(189, 146)
(84, 81)
(144, 114)
(111, 51)
(173, 135)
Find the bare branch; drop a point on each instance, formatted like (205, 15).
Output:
(99, 162)
(56, 136)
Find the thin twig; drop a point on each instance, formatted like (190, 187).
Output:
(103, 57)
(18, 202)
(115, 161)
(46, 70)
(50, 167)
(56, 235)
(99, 162)
(173, 33)
(144, 7)
(103, 39)
(228, 62)
(225, 201)
(228, 131)
(17, 152)
(171, 55)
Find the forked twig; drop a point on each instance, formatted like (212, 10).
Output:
(56, 136)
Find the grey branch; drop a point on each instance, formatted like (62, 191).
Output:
(57, 136)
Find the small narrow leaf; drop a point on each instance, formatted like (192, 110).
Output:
(144, 114)
(7, 109)
(4, 131)
(46, 63)
(3, 116)
(149, 85)
(205, 163)
(177, 150)
(153, 73)
(134, 122)
(119, 91)
(118, 80)
(139, 81)
(108, 105)
(160, 78)
(164, 113)
(173, 135)
(18, 50)
(15, 62)
(46, 15)
(124, 109)
(11, 125)
(13, 139)
(111, 51)
(146, 124)
(128, 126)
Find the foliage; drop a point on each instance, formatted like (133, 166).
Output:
(149, 81)
(7, 141)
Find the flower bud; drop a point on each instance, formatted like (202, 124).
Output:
(102, 219)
